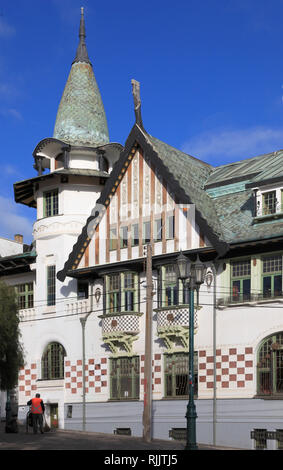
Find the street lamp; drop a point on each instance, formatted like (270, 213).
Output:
(193, 274)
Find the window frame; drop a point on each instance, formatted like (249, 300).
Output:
(25, 298)
(120, 293)
(269, 355)
(51, 284)
(240, 277)
(51, 209)
(132, 376)
(52, 367)
(171, 363)
(272, 274)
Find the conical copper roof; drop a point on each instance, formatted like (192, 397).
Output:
(81, 117)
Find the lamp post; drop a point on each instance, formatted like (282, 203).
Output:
(193, 273)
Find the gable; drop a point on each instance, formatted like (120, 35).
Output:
(140, 196)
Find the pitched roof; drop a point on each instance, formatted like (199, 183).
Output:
(185, 175)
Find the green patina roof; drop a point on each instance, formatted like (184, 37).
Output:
(81, 117)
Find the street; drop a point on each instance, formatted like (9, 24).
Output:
(60, 439)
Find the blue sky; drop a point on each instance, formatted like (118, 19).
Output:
(211, 77)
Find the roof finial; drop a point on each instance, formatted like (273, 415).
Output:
(137, 101)
(82, 55)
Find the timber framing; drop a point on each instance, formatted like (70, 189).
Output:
(138, 139)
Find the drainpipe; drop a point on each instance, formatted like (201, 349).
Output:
(214, 342)
(83, 321)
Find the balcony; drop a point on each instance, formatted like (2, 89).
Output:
(27, 314)
(249, 299)
(76, 307)
(173, 325)
(120, 329)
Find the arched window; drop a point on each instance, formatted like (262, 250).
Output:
(52, 362)
(270, 365)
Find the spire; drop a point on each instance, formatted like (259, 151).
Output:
(81, 117)
(82, 55)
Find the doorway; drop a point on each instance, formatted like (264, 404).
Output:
(54, 415)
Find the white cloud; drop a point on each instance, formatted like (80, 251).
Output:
(12, 221)
(225, 146)
(11, 112)
(5, 29)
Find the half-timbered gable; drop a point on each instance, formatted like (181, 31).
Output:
(153, 195)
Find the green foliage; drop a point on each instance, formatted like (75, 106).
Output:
(11, 351)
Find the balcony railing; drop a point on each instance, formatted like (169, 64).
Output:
(77, 306)
(249, 298)
(27, 313)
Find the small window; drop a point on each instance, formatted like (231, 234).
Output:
(82, 290)
(171, 286)
(146, 232)
(123, 237)
(51, 285)
(269, 202)
(241, 280)
(25, 295)
(50, 203)
(135, 234)
(170, 227)
(113, 293)
(272, 276)
(113, 239)
(158, 230)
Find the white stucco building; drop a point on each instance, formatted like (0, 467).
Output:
(82, 283)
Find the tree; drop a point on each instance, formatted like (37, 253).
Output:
(11, 350)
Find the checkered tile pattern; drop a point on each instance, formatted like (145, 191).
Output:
(124, 323)
(234, 368)
(95, 375)
(27, 380)
(156, 370)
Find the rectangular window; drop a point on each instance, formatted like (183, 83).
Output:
(50, 203)
(269, 203)
(51, 285)
(170, 227)
(123, 237)
(124, 378)
(113, 239)
(82, 290)
(158, 230)
(129, 292)
(135, 234)
(113, 293)
(177, 373)
(25, 295)
(171, 284)
(146, 233)
(241, 280)
(122, 292)
(272, 276)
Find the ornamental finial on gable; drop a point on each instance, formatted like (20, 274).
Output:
(137, 101)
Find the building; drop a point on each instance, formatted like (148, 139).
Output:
(82, 285)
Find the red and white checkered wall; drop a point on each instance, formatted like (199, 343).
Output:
(234, 369)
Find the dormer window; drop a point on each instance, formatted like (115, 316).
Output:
(268, 204)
